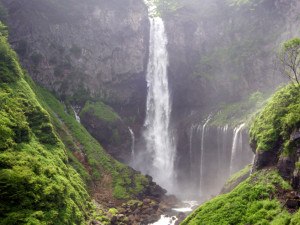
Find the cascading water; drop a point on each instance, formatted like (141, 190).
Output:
(76, 115)
(208, 164)
(159, 143)
(236, 143)
(132, 141)
(202, 154)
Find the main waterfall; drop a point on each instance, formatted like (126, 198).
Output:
(159, 143)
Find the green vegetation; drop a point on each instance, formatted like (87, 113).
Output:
(37, 184)
(3, 14)
(125, 183)
(277, 121)
(41, 178)
(234, 180)
(160, 7)
(239, 3)
(36, 58)
(100, 110)
(254, 201)
(290, 59)
(240, 112)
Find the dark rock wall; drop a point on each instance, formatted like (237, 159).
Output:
(222, 53)
(101, 46)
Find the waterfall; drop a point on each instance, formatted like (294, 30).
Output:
(202, 154)
(236, 143)
(132, 142)
(157, 135)
(76, 115)
(191, 143)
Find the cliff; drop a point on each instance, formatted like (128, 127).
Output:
(99, 46)
(222, 51)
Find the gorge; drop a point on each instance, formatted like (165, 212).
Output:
(181, 91)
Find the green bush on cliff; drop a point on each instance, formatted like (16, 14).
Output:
(277, 121)
(100, 110)
(251, 202)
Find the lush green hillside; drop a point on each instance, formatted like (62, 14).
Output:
(258, 200)
(50, 166)
(37, 184)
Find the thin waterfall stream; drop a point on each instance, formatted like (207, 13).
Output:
(132, 142)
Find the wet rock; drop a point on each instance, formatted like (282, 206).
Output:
(286, 166)
(264, 159)
(296, 179)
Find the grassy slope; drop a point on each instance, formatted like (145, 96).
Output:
(37, 184)
(254, 201)
(125, 182)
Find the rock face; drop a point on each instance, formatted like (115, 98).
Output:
(100, 46)
(221, 53)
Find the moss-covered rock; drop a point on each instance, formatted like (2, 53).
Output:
(105, 125)
(273, 134)
(258, 200)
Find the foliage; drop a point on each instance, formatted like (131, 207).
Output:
(277, 121)
(82, 94)
(100, 110)
(10, 70)
(36, 58)
(239, 3)
(37, 184)
(240, 112)
(3, 14)
(125, 182)
(160, 7)
(235, 177)
(290, 59)
(251, 202)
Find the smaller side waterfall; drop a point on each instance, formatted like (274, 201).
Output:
(132, 141)
(76, 115)
(209, 155)
(236, 143)
(202, 155)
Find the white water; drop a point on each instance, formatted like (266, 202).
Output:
(202, 153)
(166, 220)
(132, 141)
(170, 220)
(76, 115)
(237, 141)
(157, 124)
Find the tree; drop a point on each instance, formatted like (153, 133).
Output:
(290, 59)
